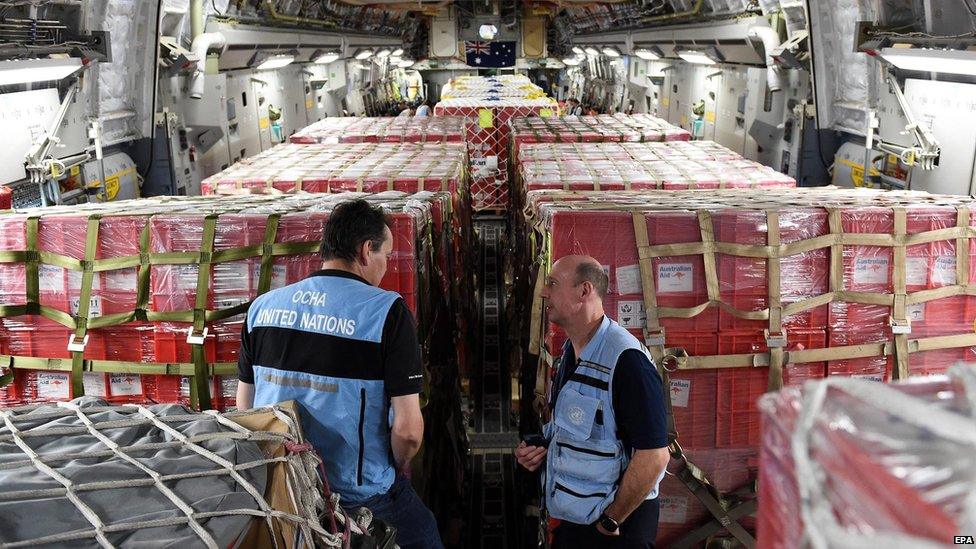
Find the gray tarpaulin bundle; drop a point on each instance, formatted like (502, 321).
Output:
(81, 473)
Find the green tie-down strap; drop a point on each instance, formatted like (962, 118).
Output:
(199, 317)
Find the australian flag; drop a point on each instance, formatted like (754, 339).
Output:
(490, 54)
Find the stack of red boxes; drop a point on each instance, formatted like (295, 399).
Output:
(715, 409)
(177, 225)
(401, 129)
(375, 168)
(883, 465)
(363, 167)
(637, 166)
(602, 128)
(489, 104)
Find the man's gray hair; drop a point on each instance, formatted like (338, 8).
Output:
(594, 274)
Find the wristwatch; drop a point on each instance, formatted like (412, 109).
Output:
(608, 523)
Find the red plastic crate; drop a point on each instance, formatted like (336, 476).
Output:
(739, 388)
(609, 237)
(173, 288)
(694, 392)
(743, 281)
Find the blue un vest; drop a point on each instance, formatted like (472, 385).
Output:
(586, 460)
(347, 420)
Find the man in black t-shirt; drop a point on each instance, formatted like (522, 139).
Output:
(624, 511)
(347, 352)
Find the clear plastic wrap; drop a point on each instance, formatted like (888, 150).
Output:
(612, 166)
(362, 167)
(849, 463)
(400, 129)
(175, 226)
(593, 129)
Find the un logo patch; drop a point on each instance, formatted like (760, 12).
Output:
(576, 415)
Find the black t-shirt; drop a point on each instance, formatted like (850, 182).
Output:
(398, 352)
(638, 399)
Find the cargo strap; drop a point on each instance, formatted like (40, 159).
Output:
(695, 479)
(79, 340)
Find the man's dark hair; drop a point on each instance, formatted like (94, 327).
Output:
(593, 273)
(350, 224)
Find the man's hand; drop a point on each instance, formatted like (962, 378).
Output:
(530, 457)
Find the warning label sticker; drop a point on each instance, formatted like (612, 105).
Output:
(915, 312)
(53, 385)
(675, 278)
(680, 391)
(125, 384)
(944, 271)
(674, 509)
(630, 314)
(628, 280)
(94, 305)
(871, 270)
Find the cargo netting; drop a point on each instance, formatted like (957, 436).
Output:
(848, 463)
(143, 301)
(489, 104)
(736, 292)
(401, 129)
(243, 479)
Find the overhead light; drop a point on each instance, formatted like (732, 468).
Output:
(383, 53)
(591, 51)
(931, 60)
(397, 52)
(326, 57)
(275, 62)
(37, 70)
(487, 32)
(611, 51)
(571, 61)
(364, 54)
(697, 57)
(405, 63)
(649, 54)
(578, 50)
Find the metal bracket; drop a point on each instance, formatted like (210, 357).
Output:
(76, 346)
(927, 151)
(197, 339)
